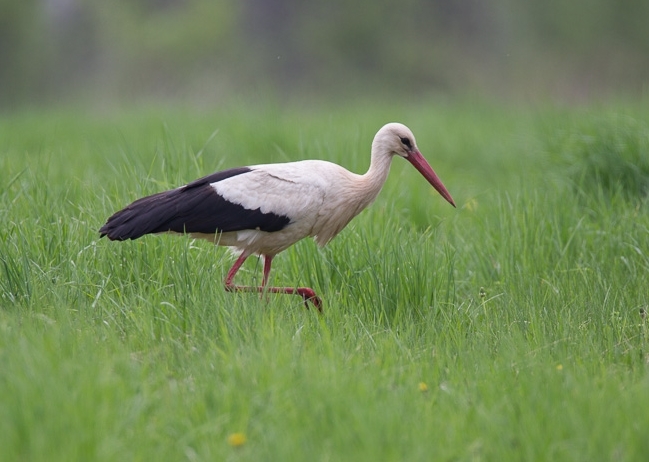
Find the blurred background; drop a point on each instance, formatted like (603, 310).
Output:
(205, 51)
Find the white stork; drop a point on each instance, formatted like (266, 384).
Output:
(264, 209)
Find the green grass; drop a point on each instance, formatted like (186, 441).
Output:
(520, 310)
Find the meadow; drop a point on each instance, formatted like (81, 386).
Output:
(511, 328)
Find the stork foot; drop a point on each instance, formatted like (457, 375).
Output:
(309, 296)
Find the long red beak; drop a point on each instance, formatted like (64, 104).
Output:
(416, 159)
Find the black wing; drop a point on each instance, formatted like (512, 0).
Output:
(194, 208)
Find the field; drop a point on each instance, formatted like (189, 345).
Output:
(510, 328)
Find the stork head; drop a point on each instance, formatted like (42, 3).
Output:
(397, 139)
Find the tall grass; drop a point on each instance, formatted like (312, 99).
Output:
(605, 154)
(510, 328)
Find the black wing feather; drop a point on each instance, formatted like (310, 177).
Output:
(194, 208)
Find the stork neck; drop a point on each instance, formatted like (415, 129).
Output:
(377, 173)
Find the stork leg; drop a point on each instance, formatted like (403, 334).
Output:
(307, 294)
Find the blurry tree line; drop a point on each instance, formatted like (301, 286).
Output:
(56, 49)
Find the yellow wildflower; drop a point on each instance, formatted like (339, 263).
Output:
(237, 439)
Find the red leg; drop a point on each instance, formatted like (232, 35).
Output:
(268, 260)
(237, 264)
(307, 294)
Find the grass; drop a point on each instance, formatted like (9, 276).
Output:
(606, 154)
(511, 328)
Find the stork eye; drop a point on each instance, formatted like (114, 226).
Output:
(406, 142)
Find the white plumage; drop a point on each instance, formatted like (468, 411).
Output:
(264, 209)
